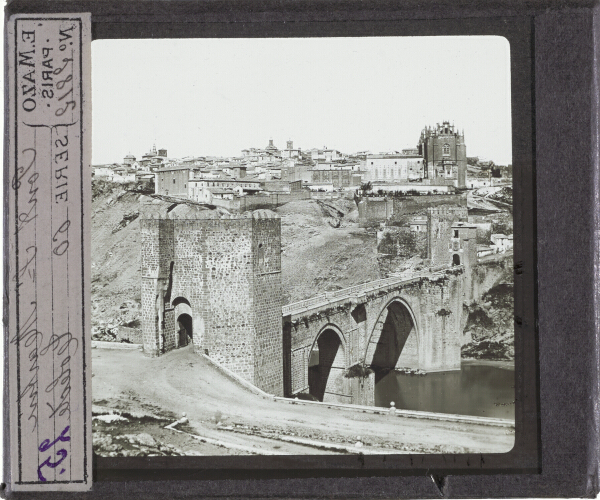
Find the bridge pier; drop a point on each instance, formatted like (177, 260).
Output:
(363, 390)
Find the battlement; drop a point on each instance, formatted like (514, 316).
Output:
(164, 207)
(448, 211)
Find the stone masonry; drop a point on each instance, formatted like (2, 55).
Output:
(225, 272)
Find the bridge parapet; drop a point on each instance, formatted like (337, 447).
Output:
(357, 293)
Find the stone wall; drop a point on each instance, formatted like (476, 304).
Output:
(267, 302)
(257, 202)
(408, 205)
(374, 210)
(131, 335)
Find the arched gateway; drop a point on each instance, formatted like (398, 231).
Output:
(394, 341)
(184, 318)
(327, 367)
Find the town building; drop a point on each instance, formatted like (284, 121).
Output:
(325, 154)
(502, 242)
(281, 186)
(206, 190)
(290, 152)
(173, 181)
(129, 159)
(393, 167)
(418, 224)
(296, 172)
(114, 173)
(340, 177)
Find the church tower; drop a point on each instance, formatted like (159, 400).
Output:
(444, 154)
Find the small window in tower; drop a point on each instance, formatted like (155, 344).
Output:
(456, 233)
(446, 149)
(173, 181)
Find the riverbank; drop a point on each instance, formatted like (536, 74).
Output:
(504, 364)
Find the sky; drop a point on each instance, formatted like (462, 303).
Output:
(219, 96)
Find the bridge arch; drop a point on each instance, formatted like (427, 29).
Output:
(327, 366)
(394, 340)
(184, 320)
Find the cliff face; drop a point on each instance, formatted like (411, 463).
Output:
(491, 325)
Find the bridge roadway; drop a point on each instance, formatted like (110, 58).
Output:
(328, 299)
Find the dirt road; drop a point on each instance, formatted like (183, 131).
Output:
(181, 381)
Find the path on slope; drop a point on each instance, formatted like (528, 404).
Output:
(182, 381)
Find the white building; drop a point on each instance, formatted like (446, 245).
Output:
(502, 242)
(393, 167)
(419, 224)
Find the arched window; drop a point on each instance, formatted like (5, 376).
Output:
(446, 149)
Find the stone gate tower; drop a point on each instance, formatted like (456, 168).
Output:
(215, 279)
(451, 240)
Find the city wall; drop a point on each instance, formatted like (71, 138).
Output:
(375, 210)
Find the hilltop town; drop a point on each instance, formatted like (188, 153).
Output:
(438, 164)
(346, 218)
(300, 272)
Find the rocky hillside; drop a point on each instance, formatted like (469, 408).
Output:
(323, 249)
(115, 257)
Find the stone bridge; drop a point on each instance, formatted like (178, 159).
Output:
(336, 345)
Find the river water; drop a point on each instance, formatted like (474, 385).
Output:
(477, 389)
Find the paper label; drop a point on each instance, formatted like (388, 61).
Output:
(47, 190)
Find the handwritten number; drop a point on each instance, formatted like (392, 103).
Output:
(62, 247)
(21, 171)
(62, 453)
(46, 444)
(62, 111)
(61, 83)
(70, 91)
(58, 71)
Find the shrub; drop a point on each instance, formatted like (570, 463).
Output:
(358, 371)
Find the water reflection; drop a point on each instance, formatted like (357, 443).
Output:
(479, 390)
